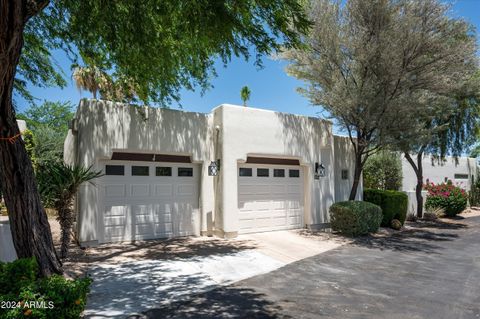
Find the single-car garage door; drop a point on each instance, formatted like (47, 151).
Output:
(270, 197)
(144, 200)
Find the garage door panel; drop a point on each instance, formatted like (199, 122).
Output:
(140, 190)
(145, 207)
(115, 190)
(164, 229)
(116, 232)
(115, 220)
(270, 203)
(114, 211)
(185, 190)
(163, 190)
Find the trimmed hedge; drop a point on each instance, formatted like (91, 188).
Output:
(354, 218)
(394, 204)
(28, 296)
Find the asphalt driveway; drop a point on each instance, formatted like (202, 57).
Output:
(430, 272)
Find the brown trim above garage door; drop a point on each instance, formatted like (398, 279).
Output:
(143, 157)
(272, 161)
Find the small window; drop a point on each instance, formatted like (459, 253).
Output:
(278, 172)
(262, 172)
(344, 173)
(185, 171)
(293, 173)
(163, 171)
(140, 171)
(114, 170)
(243, 171)
(461, 176)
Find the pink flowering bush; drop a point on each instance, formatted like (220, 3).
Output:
(451, 198)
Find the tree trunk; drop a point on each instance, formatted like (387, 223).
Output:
(356, 176)
(28, 221)
(418, 169)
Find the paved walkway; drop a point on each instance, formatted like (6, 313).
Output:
(432, 271)
(156, 274)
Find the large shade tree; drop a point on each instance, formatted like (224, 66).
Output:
(162, 46)
(446, 125)
(365, 60)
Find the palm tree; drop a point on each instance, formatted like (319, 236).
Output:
(58, 183)
(91, 79)
(245, 95)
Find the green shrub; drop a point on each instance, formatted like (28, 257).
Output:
(394, 204)
(55, 296)
(383, 170)
(451, 198)
(354, 218)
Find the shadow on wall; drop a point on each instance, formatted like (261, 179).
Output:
(105, 126)
(344, 160)
(227, 302)
(304, 136)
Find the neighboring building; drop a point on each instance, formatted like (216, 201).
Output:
(156, 164)
(461, 171)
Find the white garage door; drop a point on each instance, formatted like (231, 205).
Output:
(270, 197)
(144, 200)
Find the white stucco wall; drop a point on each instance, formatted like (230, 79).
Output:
(230, 133)
(437, 172)
(255, 132)
(345, 160)
(7, 251)
(104, 127)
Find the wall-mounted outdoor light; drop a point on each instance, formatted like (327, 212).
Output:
(320, 170)
(214, 168)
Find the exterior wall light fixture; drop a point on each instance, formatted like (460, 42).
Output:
(214, 168)
(320, 170)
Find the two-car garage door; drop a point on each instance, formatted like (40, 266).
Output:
(270, 197)
(144, 200)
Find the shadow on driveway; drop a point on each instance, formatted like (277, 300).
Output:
(228, 302)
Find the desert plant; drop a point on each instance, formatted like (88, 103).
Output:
(58, 183)
(396, 224)
(245, 95)
(394, 204)
(354, 218)
(383, 171)
(59, 297)
(449, 197)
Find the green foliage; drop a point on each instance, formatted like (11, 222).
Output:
(58, 184)
(164, 46)
(47, 128)
(474, 194)
(245, 95)
(451, 198)
(56, 115)
(394, 204)
(61, 298)
(354, 218)
(383, 170)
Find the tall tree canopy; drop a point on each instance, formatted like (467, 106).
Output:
(367, 62)
(161, 46)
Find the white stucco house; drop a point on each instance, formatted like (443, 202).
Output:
(461, 171)
(271, 171)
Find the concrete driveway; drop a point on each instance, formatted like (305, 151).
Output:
(133, 278)
(432, 271)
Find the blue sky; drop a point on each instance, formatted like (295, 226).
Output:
(271, 87)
